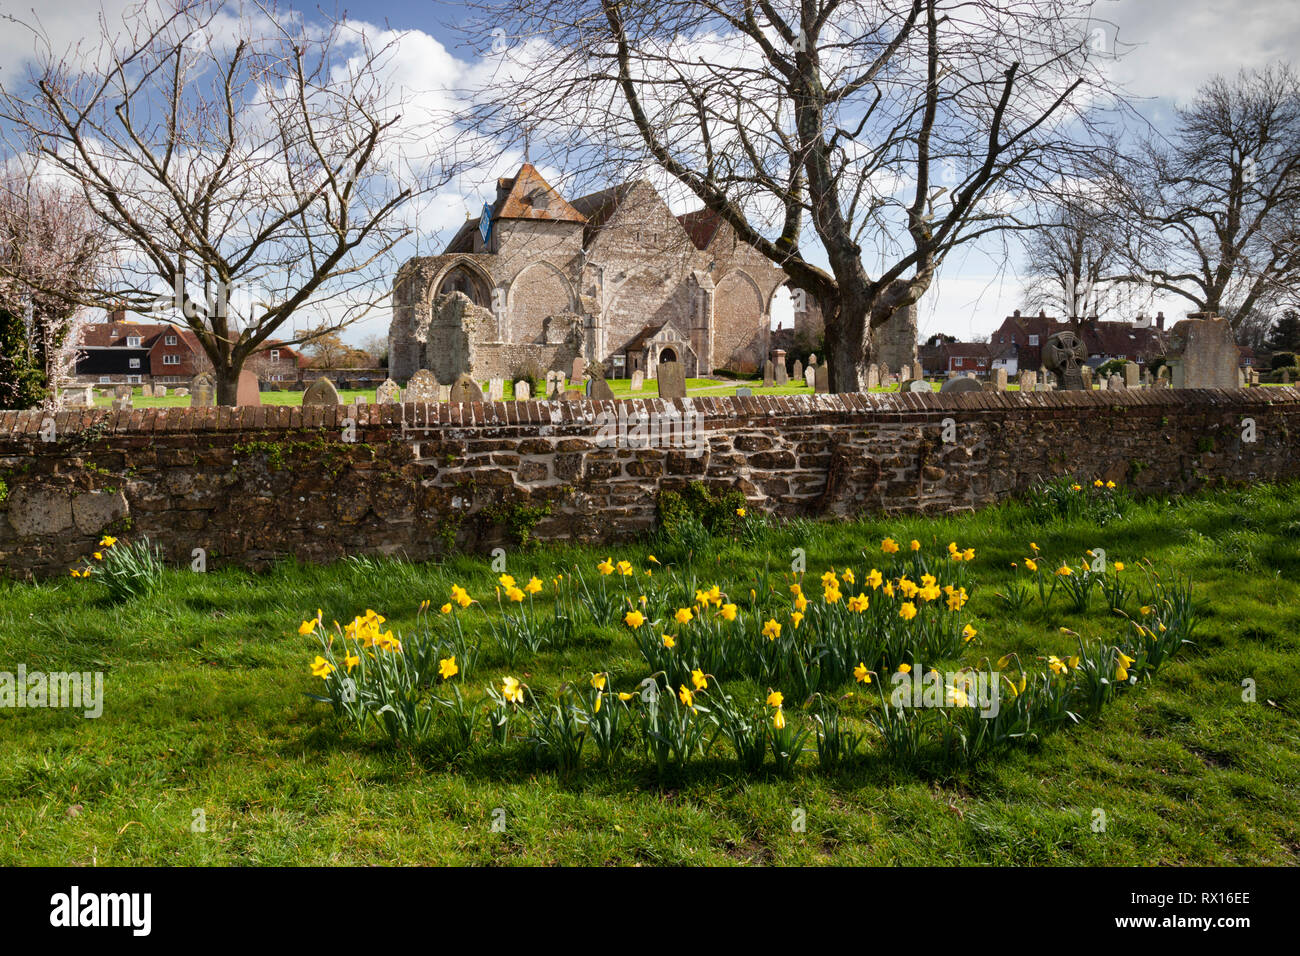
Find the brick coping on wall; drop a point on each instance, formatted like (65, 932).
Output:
(726, 411)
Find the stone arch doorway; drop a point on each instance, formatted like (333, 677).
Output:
(668, 355)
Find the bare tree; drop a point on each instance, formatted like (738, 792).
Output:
(899, 130)
(247, 165)
(1219, 202)
(50, 252)
(1071, 260)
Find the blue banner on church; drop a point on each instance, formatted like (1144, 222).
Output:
(485, 223)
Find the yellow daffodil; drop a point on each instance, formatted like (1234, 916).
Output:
(858, 604)
(351, 661)
(829, 579)
(740, 512)
(515, 594)
(801, 603)
(1122, 666)
(771, 629)
(889, 546)
(669, 642)
(446, 608)
(916, 545)
(625, 568)
(306, 627)
(686, 697)
(107, 541)
(968, 554)
(1057, 665)
(1063, 571)
(847, 576)
(1097, 483)
(778, 719)
(1110, 484)
(598, 681)
(875, 579)
(968, 633)
(321, 668)
(728, 612)
(796, 618)
(606, 567)
(512, 690)
(683, 615)
(534, 586)
(1030, 564)
(1119, 565)
(634, 619)
(698, 680)
(861, 674)
(904, 668)
(506, 581)
(907, 611)
(775, 699)
(447, 668)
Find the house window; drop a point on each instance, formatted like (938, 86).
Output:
(133, 341)
(1033, 340)
(133, 379)
(171, 340)
(135, 363)
(112, 333)
(171, 360)
(956, 363)
(275, 355)
(105, 380)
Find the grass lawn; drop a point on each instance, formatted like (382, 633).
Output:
(206, 708)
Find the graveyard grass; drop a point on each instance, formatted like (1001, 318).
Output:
(206, 709)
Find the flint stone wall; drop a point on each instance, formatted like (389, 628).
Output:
(251, 485)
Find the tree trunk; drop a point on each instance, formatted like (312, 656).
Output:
(227, 385)
(847, 343)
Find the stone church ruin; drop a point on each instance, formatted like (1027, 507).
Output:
(613, 277)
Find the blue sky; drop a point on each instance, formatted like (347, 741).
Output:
(1176, 44)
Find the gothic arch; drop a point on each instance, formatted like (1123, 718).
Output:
(537, 291)
(464, 275)
(739, 310)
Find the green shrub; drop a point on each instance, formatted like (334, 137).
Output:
(1283, 360)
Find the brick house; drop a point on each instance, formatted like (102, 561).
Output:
(1020, 338)
(118, 352)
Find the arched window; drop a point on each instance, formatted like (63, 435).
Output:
(462, 279)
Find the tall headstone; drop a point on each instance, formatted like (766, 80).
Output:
(146, 390)
(797, 374)
(1131, 375)
(810, 377)
(422, 388)
(671, 378)
(496, 389)
(123, 391)
(638, 380)
(778, 362)
(1115, 382)
(873, 377)
(202, 391)
(599, 391)
(554, 384)
(918, 371)
(1000, 379)
(769, 374)
(1028, 379)
(1065, 355)
(822, 380)
(579, 369)
(388, 393)
(321, 392)
(1286, 377)
(122, 403)
(465, 389)
(812, 359)
(444, 393)
(523, 390)
(1203, 352)
(247, 391)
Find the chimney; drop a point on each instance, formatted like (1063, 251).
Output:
(1160, 321)
(117, 315)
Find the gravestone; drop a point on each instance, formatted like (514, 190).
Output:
(598, 390)
(873, 377)
(572, 395)
(1203, 352)
(916, 385)
(496, 389)
(1086, 372)
(638, 380)
(1115, 382)
(247, 391)
(821, 380)
(422, 387)
(444, 393)
(201, 391)
(579, 369)
(769, 375)
(812, 359)
(961, 384)
(388, 393)
(797, 374)
(810, 377)
(523, 390)
(160, 391)
(999, 379)
(123, 391)
(321, 392)
(181, 392)
(465, 389)
(1065, 354)
(122, 403)
(1286, 377)
(554, 384)
(1131, 375)
(918, 372)
(778, 363)
(743, 392)
(671, 379)
(146, 390)
(79, 396)
(1028, 380)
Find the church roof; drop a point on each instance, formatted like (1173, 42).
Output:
(701, 225)
(599, 206)
(528, 196)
